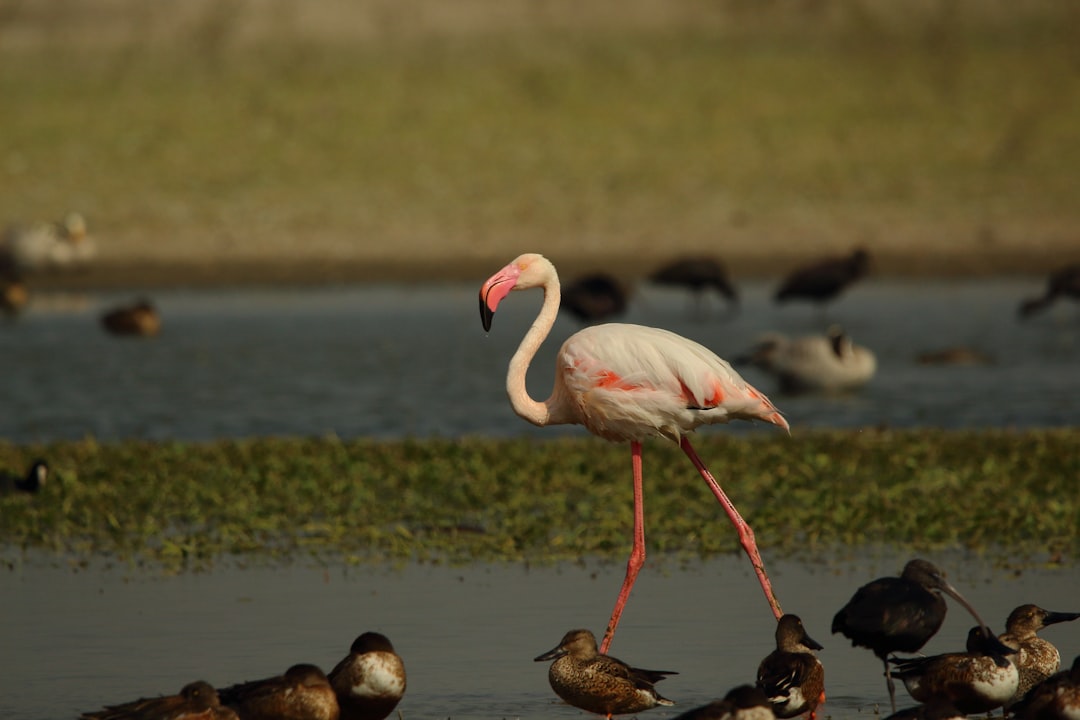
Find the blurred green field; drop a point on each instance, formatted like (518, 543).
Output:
(943, 134)
(1009, 495)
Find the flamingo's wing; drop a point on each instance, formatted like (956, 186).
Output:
(630, 382)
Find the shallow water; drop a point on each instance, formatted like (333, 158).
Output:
(390, 362)
(75, 640)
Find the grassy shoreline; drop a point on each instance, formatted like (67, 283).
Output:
(349, 140)
(188, 505)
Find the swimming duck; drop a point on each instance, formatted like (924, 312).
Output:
(597, 683)
(792, 676)
(137, 319)
(370, 680)
(813, 363)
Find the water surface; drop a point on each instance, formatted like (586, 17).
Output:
(390, 362)
(75, 640)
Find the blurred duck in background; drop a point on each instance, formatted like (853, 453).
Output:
(47, 246)
(14, 295)
(138, 319)
(813, 363)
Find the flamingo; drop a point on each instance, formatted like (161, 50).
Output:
(628, 383)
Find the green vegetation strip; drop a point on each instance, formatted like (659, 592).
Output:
(187, 505)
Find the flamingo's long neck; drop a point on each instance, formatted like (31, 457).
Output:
(536, 412)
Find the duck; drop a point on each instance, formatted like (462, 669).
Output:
(44, 246)
(823, 280)
(14, 296)
(745, 702)
(137, 319)
(977, 681)
(1055, 698)
(1062, 283)
(595, 297)
(301, 693)
(370, 681)
(1036, 658)
(195, 701)
(698, 274)
(598, 683)
(830, 363)
(791, 675)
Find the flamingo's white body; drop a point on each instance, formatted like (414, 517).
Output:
(627, 383)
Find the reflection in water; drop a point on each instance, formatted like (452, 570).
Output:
(75, 640)
(391, 362)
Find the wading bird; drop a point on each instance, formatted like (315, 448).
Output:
(697, 274)
(824, 280)
(1063, 283)
(1036, 658)
(595, 297)
(370, 680)
(791, 675)
(899, 614)
(628, 383)
(598, 683)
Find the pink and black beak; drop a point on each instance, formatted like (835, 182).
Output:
(486, 313)
(494, 290)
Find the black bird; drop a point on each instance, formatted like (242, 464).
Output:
(823, 280)
(900, 614)
(1064, 282)
(33, 481)
(697, 274)
(594, 297)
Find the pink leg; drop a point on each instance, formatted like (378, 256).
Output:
(637, 554)
(746, 535)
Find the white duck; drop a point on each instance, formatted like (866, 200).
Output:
(813, 363)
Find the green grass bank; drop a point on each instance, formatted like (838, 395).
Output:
(237, 140)
(1011, 495)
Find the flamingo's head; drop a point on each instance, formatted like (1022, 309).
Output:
(526, 271)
